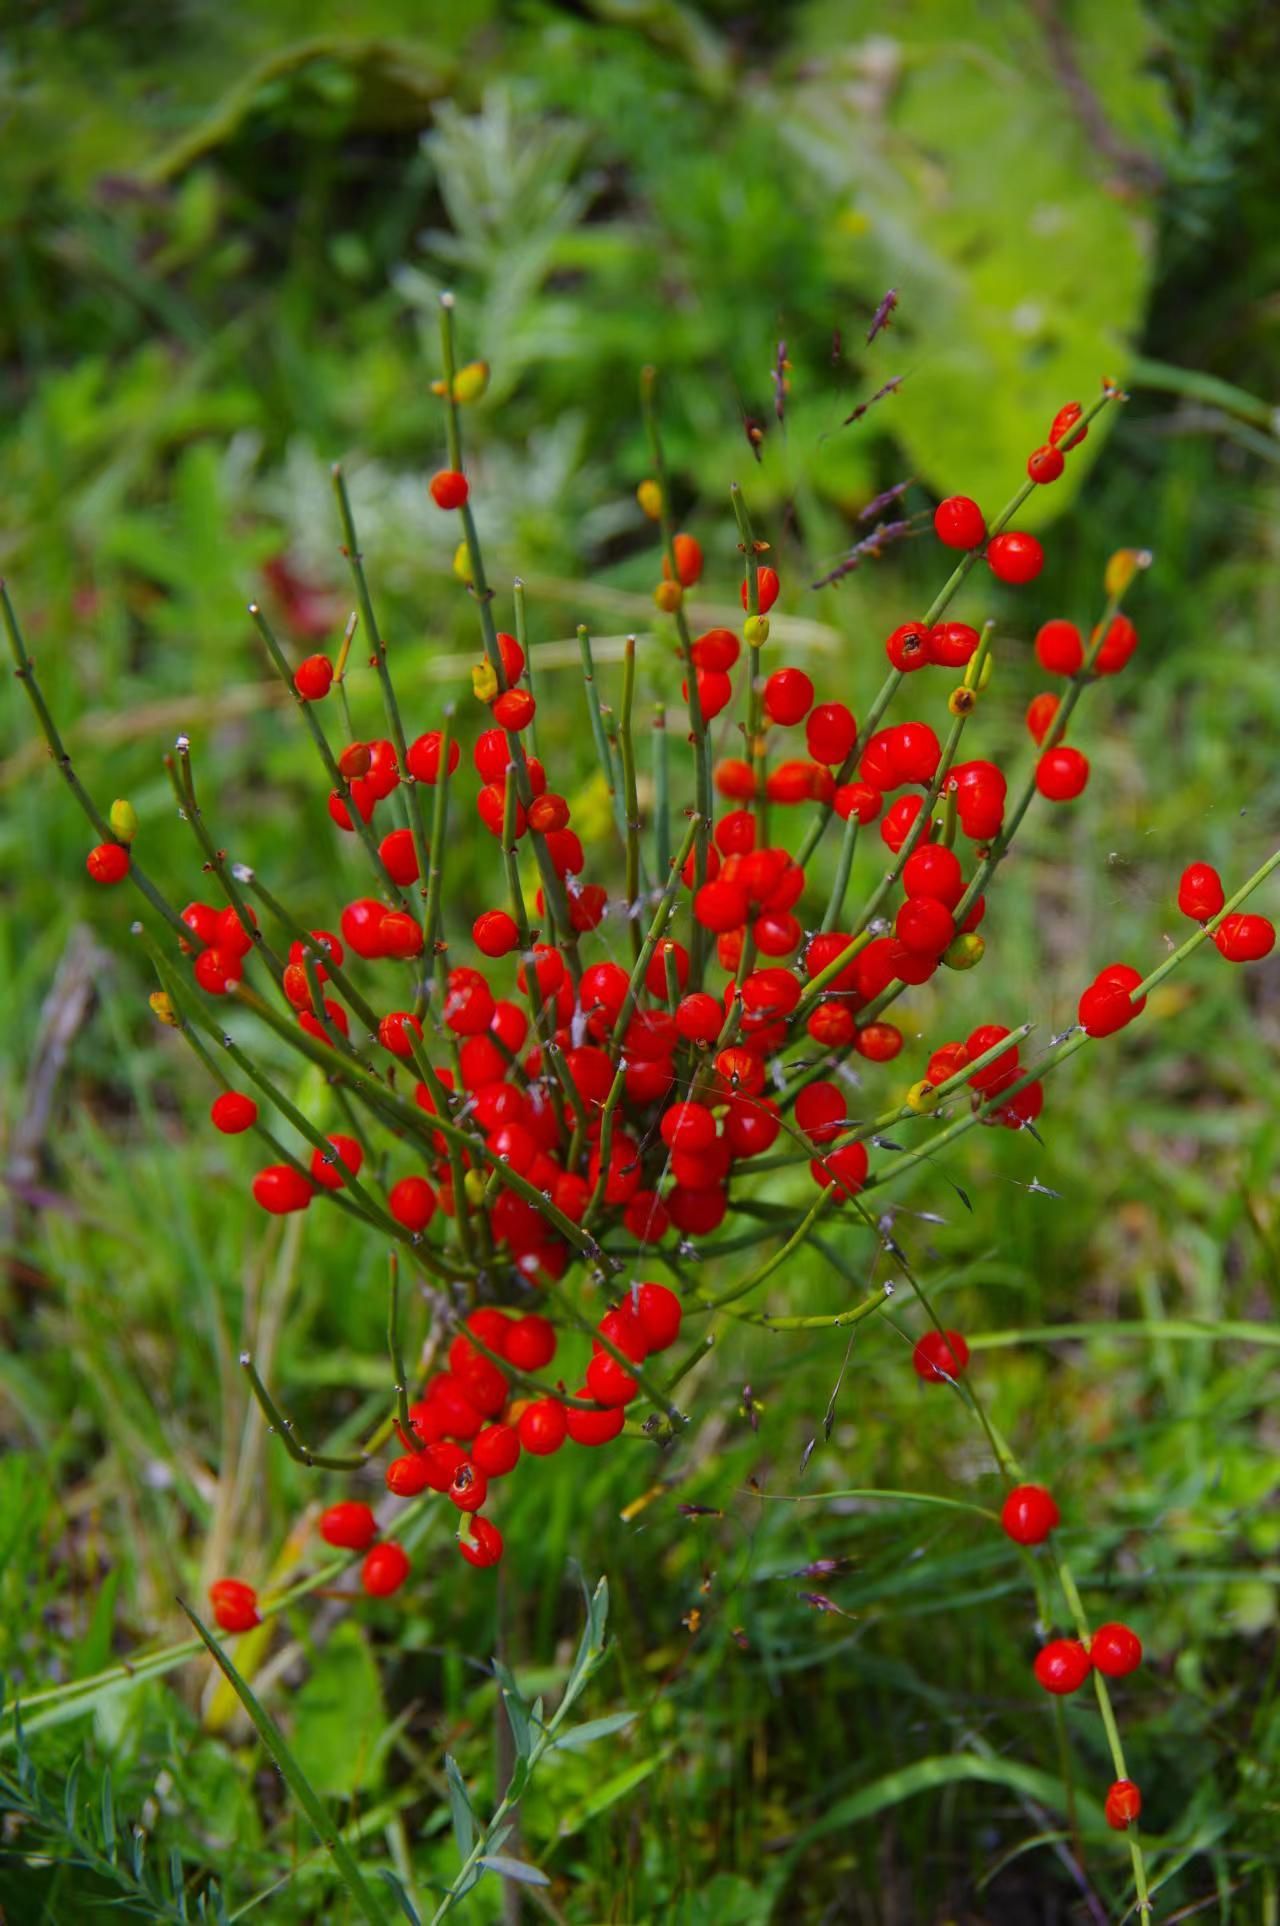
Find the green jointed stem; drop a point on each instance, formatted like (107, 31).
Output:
(522, 637)
(283, 1427)
(327, 757)
(755, 735)
(25, 671)
(301, 934)
(661, 791)
(697, 725)
(840, 887)
(182, 778)
(355, 562)
(630, 792)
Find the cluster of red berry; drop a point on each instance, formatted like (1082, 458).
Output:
(617, 1101)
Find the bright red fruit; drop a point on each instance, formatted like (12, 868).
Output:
(280, 1189)
(449, 489)
(788, 696)
(1059, 647)
(313, 678)
(1062, 1665)
(1062, 773)
(233, 1112)
(1200, 892)
(1029, 1514)
(1123, 1805)
(348, 1525)
(1244, 938)
(235, 1605)
(385, 1569)
(1015, 557)
(959, 522)
(940, 1357)
(108, 863)
(1116, 1650)
(483, 1546)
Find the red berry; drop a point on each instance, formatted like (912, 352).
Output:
(608, 1383)
(688, 553)
(959, 522)
(361, 926)
(830, 733)
(821, 1112)
(1107, 1006)
(910, 647)
(108, 863)
(1045, 465)
(1123, 1805)
(202, 920)
(423, 757)
(468, 1488)
(449, 489)
(408, 1476)
(1015, 557)
(235, 1605)
(1118, 645)
(721, 906)
(1062, 1665)
(515, 709)
(1200, 892)
(399, 935)
(348, 1525)
(940, 1357)
(858, 799)
(1059, 647)
(1065, 420)
(495, 933)
(687, 1126)
(1062, 773)
(313, 678)
(217, 971)
(326, 1171)
(788, 696)
(699, 1018)
(531, 1343)
(399, 857)
(594, 1427)
(412, 1202)
(933, 870)
(717, 649)
(767, 586)
(1029, 1514)
(1116, 1650)
(1244, 938)
(496, 1450)
(924, 925)
(659, 1313)
(280, 1189)
(385, 1569)
(483, 1547)
(845, 1167)
(952, 644)
(233, 1112)
(398, 1031)
(1041, 711)
(542, 1427)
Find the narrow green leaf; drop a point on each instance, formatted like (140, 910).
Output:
(578, 1737)
(71, 1793)
(464, 1819)
(402, 1898)
(296, 1780)
(108, 1817)
(515, 1869)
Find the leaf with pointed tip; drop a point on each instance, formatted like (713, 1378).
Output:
(516, 1869)
(465, 1826)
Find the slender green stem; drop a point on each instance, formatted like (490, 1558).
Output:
(284, 1428)
(631, 795)
(25, 671)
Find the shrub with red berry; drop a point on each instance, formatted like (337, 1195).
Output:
(594, 1078)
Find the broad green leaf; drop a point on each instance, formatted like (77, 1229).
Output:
(337, 1717)
(964, 175)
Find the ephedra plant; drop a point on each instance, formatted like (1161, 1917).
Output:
(545, 1139)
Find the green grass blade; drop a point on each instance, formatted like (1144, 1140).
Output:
(296, 1780)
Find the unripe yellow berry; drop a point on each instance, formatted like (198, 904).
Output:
(462, 563)
(123, 818)
(668, 596)
(964, 952)
(649, 496)
(756, 631)
(473, 1183)
(470, 382)
(162, 1007)
(484, 682)
(1123, 566)
(922, 1096)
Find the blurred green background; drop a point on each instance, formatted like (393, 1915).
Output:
(222, 233)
